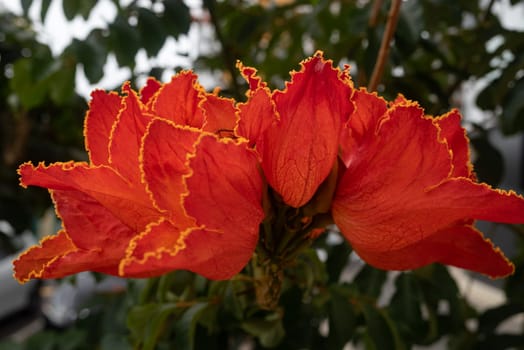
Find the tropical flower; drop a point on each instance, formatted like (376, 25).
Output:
(182, 179)
(160, 192)
(408, 195)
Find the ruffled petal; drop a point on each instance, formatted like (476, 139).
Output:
(91, 226)
(103, 111)
(224, 174)
(364, 121)
(256, 116)
(299, 151)
(163, 248)
(250, 74)
(164, 164)
(458, 143)
(461, 246)
(34, 262)
(179, 101)
(386, 182)
(126, 137)
(57, 257)
(127, 201)
(149, 90)
(220, 114)
(408, 184)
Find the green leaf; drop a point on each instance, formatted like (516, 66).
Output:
(269, 330)
(26, 4)
(124, 41)
(85, 7)
(92, 54)
(30, 92)
(45, 340)
(62, 84)
(380, 330)
(337, 260)
(369, 281)
(71, 8)
(185, 327)
(341, 315)
(72, 339)
(151, 29)
(501, 342)
(405, 307)
(410, 24)
(176, 18)
(146, 322)
(114, 342)
(11, 345)
(43, 9)
(491, 318)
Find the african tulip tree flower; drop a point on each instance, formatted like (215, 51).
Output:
(159, 193)
(182, 179)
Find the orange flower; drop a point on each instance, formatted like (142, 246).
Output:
(175, 181)
(160, 192)
(408, 195)
(402, 191)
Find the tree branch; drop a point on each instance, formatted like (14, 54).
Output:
(385, 45)
(373, 18)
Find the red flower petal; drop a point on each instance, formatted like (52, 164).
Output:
(91, 226)
(149, 90)
(457, 141)
(34, 262)
(164, 157)
(461, 246)
(398, 192)
(93, 240)
(223, 175)
(364, 121)
(256, 116)
(126, 137)
(220, 115)
(103, 111)
(250, 74)
(163, 248)
(129, 202)
(179, 101)
(300, 150)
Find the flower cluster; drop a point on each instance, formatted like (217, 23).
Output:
(179, 178)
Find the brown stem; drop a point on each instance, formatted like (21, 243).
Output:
(229, 60)
(385, 45)
(373, 18)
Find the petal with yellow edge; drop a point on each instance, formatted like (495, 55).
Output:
(256, 116)
(220, 115)
(224, 235)
(299, 151)
(460, 246)
(179, 101)
(164, 164)
(408, 185)
(457, 141)
(128, 201)
(126, 136)
(93, 239)
(103, 111)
